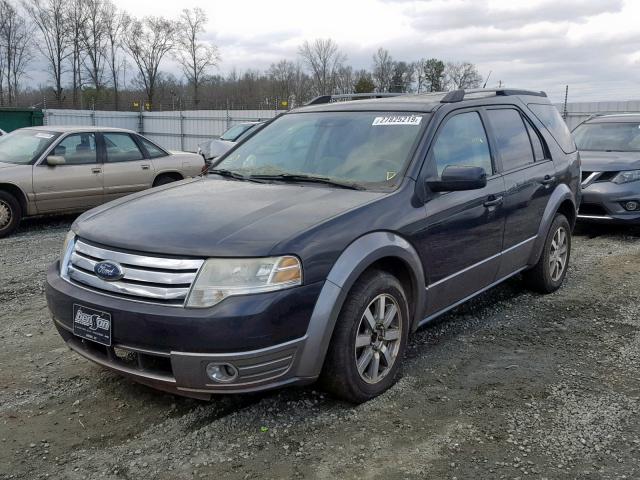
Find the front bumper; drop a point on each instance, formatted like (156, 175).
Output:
(602, 203)
(168, 348)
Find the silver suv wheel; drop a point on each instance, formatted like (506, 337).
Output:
(378, 339)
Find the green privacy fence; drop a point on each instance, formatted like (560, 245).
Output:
(14, 118)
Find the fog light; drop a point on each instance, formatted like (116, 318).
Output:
(222, 372)
(631, 206)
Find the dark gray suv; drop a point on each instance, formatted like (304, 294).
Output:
(316, 246)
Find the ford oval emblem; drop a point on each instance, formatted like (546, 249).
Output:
(108, 270)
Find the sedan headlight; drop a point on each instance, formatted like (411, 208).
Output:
(626, 176)
(65, 252)
(220, 278)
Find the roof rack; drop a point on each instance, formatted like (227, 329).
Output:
(328, 98)
(458, 95)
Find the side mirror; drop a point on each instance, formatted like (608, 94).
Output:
(53, 160)
(455, 179)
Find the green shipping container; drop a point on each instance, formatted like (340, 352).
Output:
(14, 118)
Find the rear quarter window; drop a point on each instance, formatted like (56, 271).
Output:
(551, 119)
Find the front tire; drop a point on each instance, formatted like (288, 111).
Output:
(369, 339)
(549, 273)
(10, 214)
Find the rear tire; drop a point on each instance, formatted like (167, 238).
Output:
(369, 339)
(549, 273)
(10, 214)
(163, 180)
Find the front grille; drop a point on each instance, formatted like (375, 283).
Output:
(596, 177)
(161, 280)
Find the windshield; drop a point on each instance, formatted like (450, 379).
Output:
(602, 137)
(234, 132)
(370, 149)
(24, 146)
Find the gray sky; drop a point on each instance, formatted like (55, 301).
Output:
(592, 45)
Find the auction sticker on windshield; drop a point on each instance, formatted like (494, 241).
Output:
(397, 120)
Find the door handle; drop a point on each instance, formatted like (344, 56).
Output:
(96, 170)
(493, 200)
(548, 180)
(145, 167)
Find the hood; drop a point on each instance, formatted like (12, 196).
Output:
(213, 217)
(609, 161)
(215, 148)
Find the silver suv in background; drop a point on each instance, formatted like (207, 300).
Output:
(65, 169)
(610, 151)
(212, 149)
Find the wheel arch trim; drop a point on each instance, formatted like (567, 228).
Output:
(22, 198)
(561, 194)
(349, 266)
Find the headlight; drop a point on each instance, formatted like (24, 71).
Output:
(220, 278)
(626, 177)
(65, 252)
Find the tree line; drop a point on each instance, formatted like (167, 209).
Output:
(98, 56)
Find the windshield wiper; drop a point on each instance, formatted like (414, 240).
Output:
(291, 177)
(231, 174)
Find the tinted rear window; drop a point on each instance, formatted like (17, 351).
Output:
(511, 137)
(551, 119)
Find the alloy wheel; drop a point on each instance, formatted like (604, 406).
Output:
(558, 254)
(378, 339)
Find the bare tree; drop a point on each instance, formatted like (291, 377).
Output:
(324, 59)
(383, 65)
(345, 80)
(148, 41)
(196, 57)
(95, 40)
(49, 16)
(115, 24)
(15, 50)
(430, 75)
(75, 16)
(283, 76)
(461, 75)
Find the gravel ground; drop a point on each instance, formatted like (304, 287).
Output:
(511, 385)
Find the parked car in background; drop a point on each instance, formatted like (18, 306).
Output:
(610, 151)
(315, 247)
(64, 169)
(212, 149)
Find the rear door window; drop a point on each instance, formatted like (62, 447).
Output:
(121, 148)
(462, 142)
(512, 139)
(551, 119)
